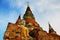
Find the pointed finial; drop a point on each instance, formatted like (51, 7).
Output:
(18, 20)
(28, 3)
(49, 24)
(19, 17)
(51, 30)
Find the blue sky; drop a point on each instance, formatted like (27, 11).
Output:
(44, 11)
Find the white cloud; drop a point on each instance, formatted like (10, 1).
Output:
(43, 5)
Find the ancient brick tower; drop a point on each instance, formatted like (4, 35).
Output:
(28, 29)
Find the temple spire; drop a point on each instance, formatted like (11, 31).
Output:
(51, 30)
(19, 17)
(28, 13)
(18, 20)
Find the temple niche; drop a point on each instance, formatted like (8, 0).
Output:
(28, 29)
